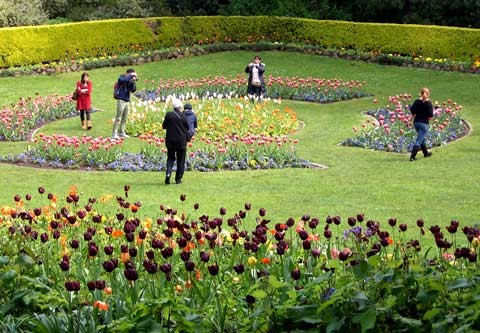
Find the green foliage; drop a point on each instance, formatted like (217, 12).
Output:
(22, 12)
(34, 45)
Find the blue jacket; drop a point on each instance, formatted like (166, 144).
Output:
(191, 119)
(127, 86)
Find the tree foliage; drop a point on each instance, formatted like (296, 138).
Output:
(464, 13)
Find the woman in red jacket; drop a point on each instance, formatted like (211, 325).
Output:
(84, 100)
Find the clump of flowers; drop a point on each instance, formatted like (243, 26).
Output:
(18, 119)
(390, 128)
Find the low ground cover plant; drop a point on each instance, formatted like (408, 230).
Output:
(390, 127)
(73, 263)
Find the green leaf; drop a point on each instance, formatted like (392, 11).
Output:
(274, 282)
(26, 259)
(4, 260)
(366, 319)
(361, 270)
(431, 314)
(335, 324)
(8, 275)
(459, 284)
(260, 294)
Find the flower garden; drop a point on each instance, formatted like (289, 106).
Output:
(72, 262)
(75, 264)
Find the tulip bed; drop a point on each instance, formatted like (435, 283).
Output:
(76, 264)
(392, 128)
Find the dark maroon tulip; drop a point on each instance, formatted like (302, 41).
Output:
(28, 197)
(290, 222)
(213, 269)
(120, 216)
(167, 252)
(183, 197)
(250, 299)
(142, 234)
(100, 284)
(12, 229)
(56, 234)
(190, 266)
(345, 254)
(472, 257)
(17, 198)
(64, 265)
(305, 217)
(392, 221)
(327, 234)
(328, 219)
(337, 220)
(72, 285)
(87, 236)
(166, 268)
(72, 219)
(239, 269)
(130, 274)
(402, 227)
(44, 237)
(262, 212)
(168, 232)
(295, 274)
(108, 250)
(27, 229)
(248, 206)
(34, 235)
(196, 206)
(302, 234)
(420, 223)
(108, 230)
(109, 266)
(74, 244)
(307, 244)
(126, 188)
(124, 248)
(223, 211)
(185, 256)
(41, 190)
(132, 252)
(204, 256)
(91, 285)
(92, 250)
(316, 253)
(37, 211)
(384, 242)
(360, 217)
(130, 237)
(351, 221)
(313, 223)
(92, 200)
(81, 214)
(54, 225)
(157, 244)
(50, 196)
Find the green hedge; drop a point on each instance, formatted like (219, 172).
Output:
(34, 45)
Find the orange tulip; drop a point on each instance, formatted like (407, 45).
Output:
(117, 233)
(266, 261)
(107, 290)
(101, 305)
(124, 257)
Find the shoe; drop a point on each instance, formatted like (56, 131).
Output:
(414, 153)
(178, 181)
(89, 125)
(84, 125)
(167, 180)
(425, 151)
(115, 136)
(123, 135)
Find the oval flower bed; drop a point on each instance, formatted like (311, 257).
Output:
(308, 89)
(70, 264)
(233, 135)
(392, 129)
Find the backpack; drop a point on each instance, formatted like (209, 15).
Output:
(116, 90)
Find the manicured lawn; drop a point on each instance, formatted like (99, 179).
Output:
(378, 184)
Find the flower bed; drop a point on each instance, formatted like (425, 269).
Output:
(307, 89)
(392, 130)
(17, 121)
(69, 263)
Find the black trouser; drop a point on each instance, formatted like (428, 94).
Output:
(179, 156)
(82, 115)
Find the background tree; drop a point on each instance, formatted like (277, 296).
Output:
(22, 12)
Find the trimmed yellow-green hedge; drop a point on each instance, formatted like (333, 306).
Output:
(33, 45)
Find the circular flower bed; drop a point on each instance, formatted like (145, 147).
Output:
(391, 128)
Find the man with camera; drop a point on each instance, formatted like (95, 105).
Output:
(126, 84)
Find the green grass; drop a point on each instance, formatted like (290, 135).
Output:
(381, 185)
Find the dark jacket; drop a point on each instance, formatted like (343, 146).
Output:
(261, 70)
(191, 119)
(176, 126)
(126, 86)
(422, 110)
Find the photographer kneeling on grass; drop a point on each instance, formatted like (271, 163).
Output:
(125, 85)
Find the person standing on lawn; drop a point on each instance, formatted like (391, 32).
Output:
(422, 111)
(125, 85)
(176, 141)
(84, 100)
(256, 81)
